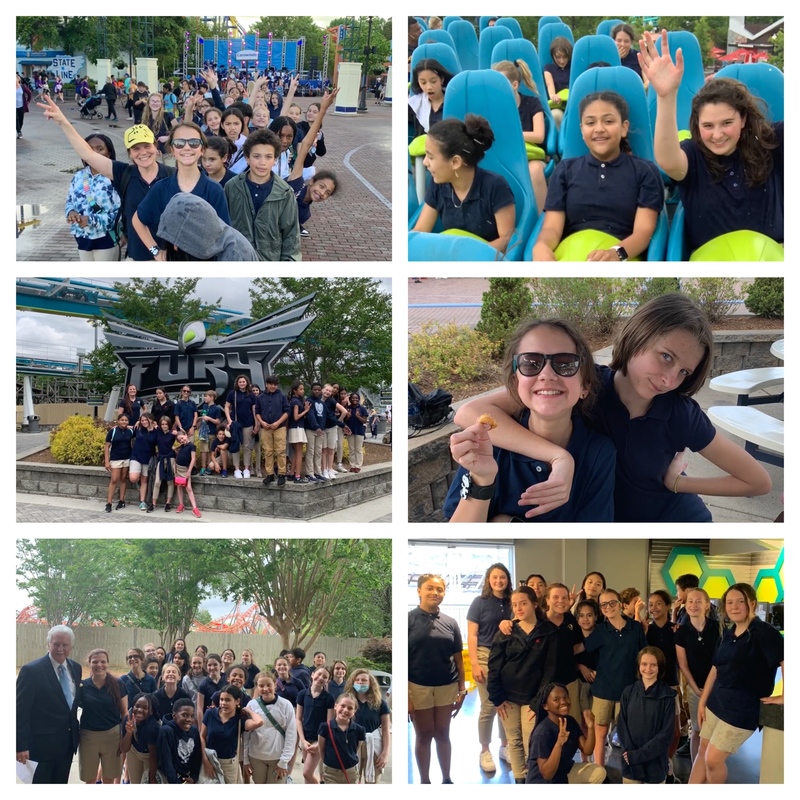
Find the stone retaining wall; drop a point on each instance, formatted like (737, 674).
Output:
(304, 501)
(735, 350)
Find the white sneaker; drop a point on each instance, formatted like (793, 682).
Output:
(504, 754)
(487, 762)
(331, 475)
(246, 474)
(340, 468)
(237, 473)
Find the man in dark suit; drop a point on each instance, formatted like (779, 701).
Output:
(47, 722)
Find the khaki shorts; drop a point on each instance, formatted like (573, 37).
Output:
(137, 468)
(330, 775)
(99, 748)
(296, 436)
(723, 736)
(121, 463)
(330, 438)
(425, 697)
(182, 471)
(604, 710)
(202, 445)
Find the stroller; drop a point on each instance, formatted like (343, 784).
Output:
(428, 412)
(89, 107)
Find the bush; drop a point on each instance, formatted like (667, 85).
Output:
(79, 440)
(449, 351)
(655, 287)
(505, 305)
(713, 295)
(375, 654)
(765, 298)
(593, 304)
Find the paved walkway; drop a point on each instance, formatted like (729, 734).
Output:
(354, 225)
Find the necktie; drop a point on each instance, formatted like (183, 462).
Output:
(65, 685)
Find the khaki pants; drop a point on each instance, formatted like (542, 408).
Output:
(355, 445)
(273, 446)
(488, 711)
(630, 780)
(264, 771)
(330, 775)
(230, 769)
(518, 727)
(339, 445)
(109, 254)
(313, 457)
(138, 764)
(588, 773)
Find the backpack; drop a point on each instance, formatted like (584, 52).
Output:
(427, 410)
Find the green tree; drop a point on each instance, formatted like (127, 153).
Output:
(38, 33)
(107, 370)
(365, 608)
(777, 53)
(293, 28)
(165, 581)
(702, 31)
(70, 580)
(297, 583)
(349, 342)
(504, 305)
(203, 616)
(380, 38)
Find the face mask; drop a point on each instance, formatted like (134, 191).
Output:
(361, 687)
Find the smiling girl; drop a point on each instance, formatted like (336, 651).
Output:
(730, 173)
(213, 683)
(549, 370)
(194, 678)
(170, 690)
(339, 740)
(186, 142)
(609, 190)
(139, 737)
(462, 194)
(314, 708)
(269, 749)
(158, 120)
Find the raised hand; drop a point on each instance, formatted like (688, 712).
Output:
(52, 111)
(210, 77)
(664, 75)
(327, 100)
(588, 718)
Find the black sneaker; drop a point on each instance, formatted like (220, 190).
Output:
(151, 507)
(281, 480)
(120, 505)
(168, 507)
(268, 479)
(108, 508)
(685, 749)
(304, 233)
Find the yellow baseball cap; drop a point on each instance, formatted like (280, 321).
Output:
(138, 134)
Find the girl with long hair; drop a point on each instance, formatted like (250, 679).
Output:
(372, 713)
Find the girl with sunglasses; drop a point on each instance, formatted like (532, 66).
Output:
(550, 372)
(187, 143)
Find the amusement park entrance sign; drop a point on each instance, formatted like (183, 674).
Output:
(152, 360)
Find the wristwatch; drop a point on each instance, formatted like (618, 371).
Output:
(154, 251)
(621, 252)
(471, 489)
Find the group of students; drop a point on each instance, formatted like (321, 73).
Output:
(253, 429)
(728, 173)
(206, 719)
(241, 187)
(559, 667)
(578, 442)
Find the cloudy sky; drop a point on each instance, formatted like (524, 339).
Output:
(35, 331)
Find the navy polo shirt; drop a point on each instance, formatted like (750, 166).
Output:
(165, 702)
(100, 710)
(146, 734)
(207, 689)
(632, 62)
(346, 744)
(300, 404)
(717, 207)
(475, 214)
(164, 443)
(559, 75)
(700, 647)
(221, 736)
(604, 196)
(746, 667)
(137, 189)
(134, 413)
(144, 446)
(166, 409)
(133, 686)
(120, 443)
(664, 639)
(591, 499)
(243, 411)
(488, 612)
(368, 717)
(645, 447)
(272, 406)
(433, 640)
(185, 411)
(528, 108)
(616, 667)
(154, 205)
(356, 428)
(569, 634)
(315, 711)
(300, 190)
(543, 740)
(330, 414)
(184, 455)
(259, 192)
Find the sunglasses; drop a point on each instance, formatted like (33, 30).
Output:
(178, 144)
(531, 364)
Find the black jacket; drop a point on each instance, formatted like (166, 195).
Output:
(45, 726)
(520, 663)
(645, 727)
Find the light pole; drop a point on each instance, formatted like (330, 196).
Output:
(362, 103)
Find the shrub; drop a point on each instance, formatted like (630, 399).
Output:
(593, 304)
(375, 654)
(655, 287)
(506, 303)
(765, 297)
(79, 440)
(713, 295)
(449, 351)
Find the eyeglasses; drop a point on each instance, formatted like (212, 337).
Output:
(610, 604)
(179, 144)
(531, 364)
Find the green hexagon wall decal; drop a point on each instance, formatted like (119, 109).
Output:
(680, 561)
(716, 581)
(769, 583)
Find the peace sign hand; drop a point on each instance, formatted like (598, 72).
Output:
(51, 110)
(664, 76)
(563, 733)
